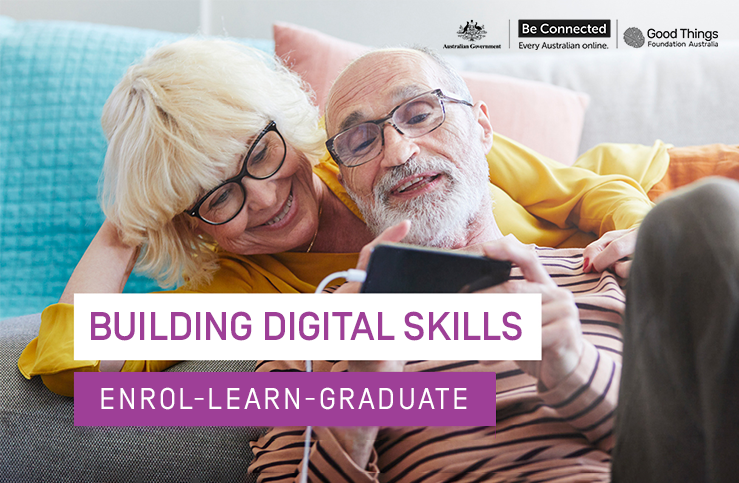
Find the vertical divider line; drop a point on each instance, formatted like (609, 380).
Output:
(205, 16)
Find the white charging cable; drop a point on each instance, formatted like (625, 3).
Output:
(351, 275)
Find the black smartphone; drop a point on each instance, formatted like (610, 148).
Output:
(400, 268)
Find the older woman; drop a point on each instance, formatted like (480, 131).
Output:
(216, 180)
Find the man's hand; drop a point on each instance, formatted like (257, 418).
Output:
(561, 337)
(393, 234)
(608, 252)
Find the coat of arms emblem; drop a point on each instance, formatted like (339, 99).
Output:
(472, 31)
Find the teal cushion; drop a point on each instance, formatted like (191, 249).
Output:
(54, 79)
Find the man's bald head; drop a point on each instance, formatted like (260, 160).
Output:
(437, 175)
(365, 65)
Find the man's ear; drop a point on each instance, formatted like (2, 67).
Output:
(483, 119)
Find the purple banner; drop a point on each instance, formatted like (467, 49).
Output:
(284, 399)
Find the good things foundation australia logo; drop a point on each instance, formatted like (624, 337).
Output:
(472, 31)
(671, 37)
(633, 37)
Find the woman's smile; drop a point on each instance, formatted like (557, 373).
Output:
(282, 216)
(282, 212)
(285, 214)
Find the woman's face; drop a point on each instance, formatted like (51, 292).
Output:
(280, 213)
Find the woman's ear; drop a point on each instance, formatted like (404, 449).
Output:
(483, 119)
(196, 226)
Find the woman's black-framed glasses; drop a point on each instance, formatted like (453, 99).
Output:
(263, 159)
(415, 117)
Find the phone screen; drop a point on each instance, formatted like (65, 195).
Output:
(398, 268)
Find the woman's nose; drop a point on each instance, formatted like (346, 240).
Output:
(260, 194)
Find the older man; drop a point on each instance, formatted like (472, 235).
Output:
(412, 146)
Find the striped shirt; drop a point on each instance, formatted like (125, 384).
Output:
(561, 434)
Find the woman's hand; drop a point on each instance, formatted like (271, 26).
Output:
(393, 234)
(562, 341)
(610, 252)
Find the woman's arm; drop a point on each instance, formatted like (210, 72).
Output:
(105, 266)
(596, 202)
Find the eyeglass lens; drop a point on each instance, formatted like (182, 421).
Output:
(263, 161)
(414, 118)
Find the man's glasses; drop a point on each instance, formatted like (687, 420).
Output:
(364, 142)
(265, 157)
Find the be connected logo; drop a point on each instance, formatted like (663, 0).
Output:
(550, 34)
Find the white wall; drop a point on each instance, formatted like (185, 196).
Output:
(377, 22)
(172, 15)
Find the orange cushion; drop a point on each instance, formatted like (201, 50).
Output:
(691, 163)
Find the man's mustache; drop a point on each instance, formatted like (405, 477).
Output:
(412, 167)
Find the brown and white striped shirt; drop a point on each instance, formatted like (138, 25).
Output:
(561, 434)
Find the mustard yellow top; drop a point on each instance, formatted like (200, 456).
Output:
(538, 200)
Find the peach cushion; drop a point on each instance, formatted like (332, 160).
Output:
(543, 117)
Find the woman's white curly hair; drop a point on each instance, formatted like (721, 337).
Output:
(174, 124)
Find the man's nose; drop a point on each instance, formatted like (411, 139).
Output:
(398, 148)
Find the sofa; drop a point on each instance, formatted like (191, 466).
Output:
(54, 79)
(39, 442)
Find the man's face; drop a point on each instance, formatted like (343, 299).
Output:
(438, 180)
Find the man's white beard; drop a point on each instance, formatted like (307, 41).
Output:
(441, 218)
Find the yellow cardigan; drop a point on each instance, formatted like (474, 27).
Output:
(538, 200)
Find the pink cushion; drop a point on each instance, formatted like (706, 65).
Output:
(543, 117)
